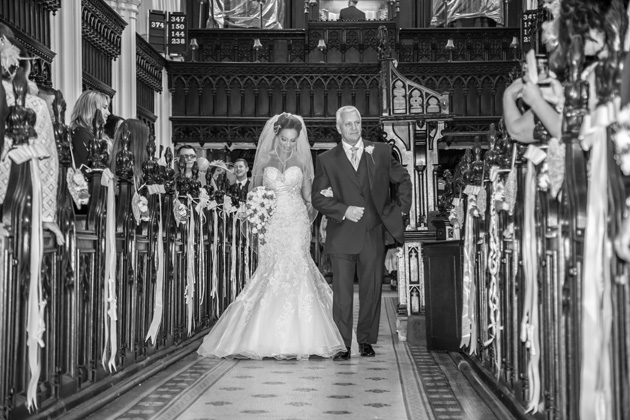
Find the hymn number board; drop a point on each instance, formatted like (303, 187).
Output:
(157, 30)
(177, 33)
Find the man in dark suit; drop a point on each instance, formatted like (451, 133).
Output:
(352, 188)
(241, 186)
(351, 12)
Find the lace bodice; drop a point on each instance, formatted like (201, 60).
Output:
(289, 181)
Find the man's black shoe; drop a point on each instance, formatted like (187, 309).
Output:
(342, 355)
(366, 350)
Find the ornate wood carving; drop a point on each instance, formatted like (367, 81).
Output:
(149, 64)
(102, 27)
(216, 45)
(36, 42)
(247, 130)
(102, 31)
(471, 44)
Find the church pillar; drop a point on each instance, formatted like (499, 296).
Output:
(124, 102)
(66, 42)
(163, 111)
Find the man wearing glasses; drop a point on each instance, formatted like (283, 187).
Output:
(189, 153)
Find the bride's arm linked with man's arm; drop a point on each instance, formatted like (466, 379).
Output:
(326, 203)
(307, 187)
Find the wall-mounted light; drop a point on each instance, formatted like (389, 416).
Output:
(193, 48)
(257, 47)
(450, 46)
(321, 45)
(514, 45)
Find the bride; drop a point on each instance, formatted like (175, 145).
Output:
(285, 310)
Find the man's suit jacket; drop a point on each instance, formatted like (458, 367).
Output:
(241, 191)
(334, 170)
(351, 13)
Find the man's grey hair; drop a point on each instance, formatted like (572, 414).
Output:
(351, 2)
(343, 110)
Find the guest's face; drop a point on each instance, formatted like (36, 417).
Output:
(240, 169)
(190, 156)
(105, 110)
(350, 127)
(287, 139)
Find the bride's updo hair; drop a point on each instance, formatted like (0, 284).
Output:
(289, 121)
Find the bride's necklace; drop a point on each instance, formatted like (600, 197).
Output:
(283, 162)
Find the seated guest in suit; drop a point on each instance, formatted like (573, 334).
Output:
(241, 186)
(351, 12)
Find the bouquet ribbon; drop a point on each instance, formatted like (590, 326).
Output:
(109, 290)
(158, 307)
(35, 323)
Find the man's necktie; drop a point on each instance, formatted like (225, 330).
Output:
(354, 158)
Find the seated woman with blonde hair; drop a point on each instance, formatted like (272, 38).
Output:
(82, 120)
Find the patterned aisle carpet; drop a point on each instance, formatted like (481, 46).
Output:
(387, 386)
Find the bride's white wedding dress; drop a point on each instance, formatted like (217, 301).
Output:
(285, 310)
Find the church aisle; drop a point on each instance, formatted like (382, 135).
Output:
(388, 386)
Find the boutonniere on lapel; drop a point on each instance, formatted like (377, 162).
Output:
(369, 150)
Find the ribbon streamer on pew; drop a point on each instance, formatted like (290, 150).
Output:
(596, 372)
(109, 290)
(530, 321)
(158, 307)
(204, 203)
(215, 279)
(469, 331)
(35, 323)
(233, 254)
(494, 263)
(189, 295)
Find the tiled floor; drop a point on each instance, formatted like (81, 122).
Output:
(401, 382)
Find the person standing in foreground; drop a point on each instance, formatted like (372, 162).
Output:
(352, 188)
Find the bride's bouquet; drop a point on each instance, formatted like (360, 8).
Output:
(260, 206)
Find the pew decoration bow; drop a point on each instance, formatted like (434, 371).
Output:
(77, 184)
(139, 205)
(35, 324)
(140, 208)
